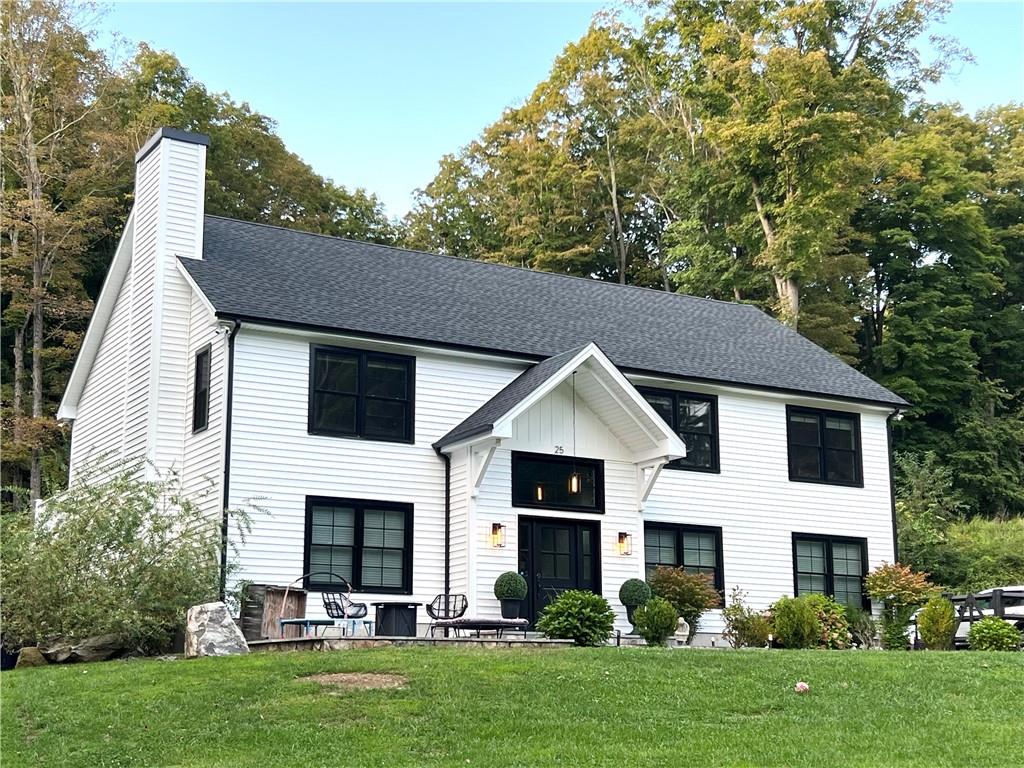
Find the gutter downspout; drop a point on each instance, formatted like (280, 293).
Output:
(225, 515)
(447, 519)
(892, 487)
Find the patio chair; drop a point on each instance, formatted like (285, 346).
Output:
(446, 608)
(338, 605)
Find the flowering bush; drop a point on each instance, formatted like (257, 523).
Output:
(899, 589)
(833, 628)
(691, 594)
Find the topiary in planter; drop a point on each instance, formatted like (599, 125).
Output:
(634, 592)
(656, 621)
(993, 634)
(510, 588)
(578, 615)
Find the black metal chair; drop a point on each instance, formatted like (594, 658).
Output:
(445, 608)
(338, 605)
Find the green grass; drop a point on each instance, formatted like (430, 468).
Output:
(574, 707)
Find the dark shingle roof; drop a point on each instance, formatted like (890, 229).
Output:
(517, 390)
(284, 276)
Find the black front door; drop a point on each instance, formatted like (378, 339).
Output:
(556, 555)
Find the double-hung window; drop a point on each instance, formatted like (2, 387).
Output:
(695, 548)
(824, 446)
(354, 393)
(830, 565)
(201, 391)
(366, 543)
(694, 417)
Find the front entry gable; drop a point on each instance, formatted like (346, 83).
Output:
(537, 408)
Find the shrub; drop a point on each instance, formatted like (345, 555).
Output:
(796, 622)
(691, 594)
(937, 623)
(656, 620)
(510, 586)
(863, 628)
(899, 589)
(578, 615)
(122, 556)
(744, 627)
(834, 630)
(634, 592)
(993, 634)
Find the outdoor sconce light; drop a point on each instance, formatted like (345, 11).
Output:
(497, 535)
(625, 543)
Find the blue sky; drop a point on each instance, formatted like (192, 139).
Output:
(372, 95)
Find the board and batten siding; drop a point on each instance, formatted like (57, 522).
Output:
(759, 508)
(276, 463)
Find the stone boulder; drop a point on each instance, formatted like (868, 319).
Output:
(210, 631)
(30, 657)
(99, 648)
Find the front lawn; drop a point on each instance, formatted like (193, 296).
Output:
(574, 707)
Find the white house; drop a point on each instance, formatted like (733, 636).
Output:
(420, 423)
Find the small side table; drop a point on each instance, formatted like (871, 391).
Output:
(396, 618)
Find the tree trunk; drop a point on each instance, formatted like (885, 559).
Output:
(620, 236)
(787, 288)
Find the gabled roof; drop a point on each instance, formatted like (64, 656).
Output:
(602, 386)
(482, 420)
(269, 274)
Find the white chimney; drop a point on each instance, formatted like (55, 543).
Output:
(170, 184)
(170, 175)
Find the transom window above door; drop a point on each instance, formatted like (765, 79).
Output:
(542, 481)
(824, 446)
(694, 417)
(354, 393)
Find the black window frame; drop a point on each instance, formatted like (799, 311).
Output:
(821, 414)
(712, 401)
(578, 461)
(201, 416)
(363, 356)
(828, 540)
(360, 506)
(679, 529)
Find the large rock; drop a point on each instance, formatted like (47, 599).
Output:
(99, 648)
(30, 657)
(210, 631)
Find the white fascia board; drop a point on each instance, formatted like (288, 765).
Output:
(195, 288)
(112, 283)
(669, 444)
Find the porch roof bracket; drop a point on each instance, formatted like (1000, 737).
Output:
(480, 456)
(646, 477)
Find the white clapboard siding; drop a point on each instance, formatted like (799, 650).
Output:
(759, 508)
(203, 452)
(276, 463)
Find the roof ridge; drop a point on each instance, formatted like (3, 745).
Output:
(592, 280)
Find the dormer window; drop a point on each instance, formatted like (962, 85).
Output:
(354, 393)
